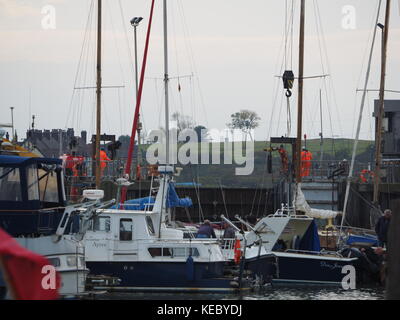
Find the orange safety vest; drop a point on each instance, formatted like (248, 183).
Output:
(103, 159)
(365, 172)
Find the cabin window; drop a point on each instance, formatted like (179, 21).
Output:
(32, 181)
(10, 184)
(150, 226)
(173, 252)
(48, 186)
(102, 224)
(125, 229)
(54, 261)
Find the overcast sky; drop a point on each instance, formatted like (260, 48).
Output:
(231, 49)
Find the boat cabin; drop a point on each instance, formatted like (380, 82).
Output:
(31, 195)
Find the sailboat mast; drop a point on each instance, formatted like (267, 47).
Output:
(300, 94)
(322, 133)
(98, 94)
(378, 133)
(166, 80)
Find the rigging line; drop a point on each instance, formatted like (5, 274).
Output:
(329, 111)
(116, 43)
(360, 119)
(280, 66)
(279, 115)
(259, 187)
(286, 33)
(291, 35)
(176, 58)
(201, 215)
(370, 122)
(81, 95)
(366, 49)
(79, 61)
(83, 73)
(223, 198)
(128, 45)
(132, 67)
(189, 48)
(328, 66)
(262, 187)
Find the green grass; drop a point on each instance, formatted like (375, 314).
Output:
(216, 175)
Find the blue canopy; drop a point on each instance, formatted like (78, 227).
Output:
(172, 201)
(310, 240)
(138, 204)
(18, 161)
(187, 184)
(367, 239)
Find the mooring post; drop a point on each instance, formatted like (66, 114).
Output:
(393, 258)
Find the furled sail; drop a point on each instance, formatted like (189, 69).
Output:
(302, 205)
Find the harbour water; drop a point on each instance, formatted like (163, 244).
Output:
(267, 294)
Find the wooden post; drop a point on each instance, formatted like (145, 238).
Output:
(378, 133)
(300, 97)
(393, 261)
(98, 95)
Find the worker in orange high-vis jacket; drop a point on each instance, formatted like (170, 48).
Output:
(103, 160)
(306, 157)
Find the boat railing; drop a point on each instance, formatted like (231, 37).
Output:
(326, 169)
(318, 253)
(358, 231)
(227, 248)
(84, 169)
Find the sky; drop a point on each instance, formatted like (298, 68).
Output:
(225, 55)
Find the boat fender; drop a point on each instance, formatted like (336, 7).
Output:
(237, 252)
(190, 269)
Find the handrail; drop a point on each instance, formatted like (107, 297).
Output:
(319, 253)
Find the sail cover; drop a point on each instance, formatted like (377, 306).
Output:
(302, 205)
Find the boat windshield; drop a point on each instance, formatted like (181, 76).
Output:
(42, 183)
(10, 184)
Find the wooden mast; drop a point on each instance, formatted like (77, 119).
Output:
(300, 94)
(378, 132)
(98, 95)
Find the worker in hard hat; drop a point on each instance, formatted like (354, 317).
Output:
(103, 160)
(306, 157)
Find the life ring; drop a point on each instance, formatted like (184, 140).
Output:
(365, 172)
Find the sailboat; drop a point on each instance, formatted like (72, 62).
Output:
(298, 258)
(140, 249)
(315, 266)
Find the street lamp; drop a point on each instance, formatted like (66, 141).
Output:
(12, 121)
(135, 23)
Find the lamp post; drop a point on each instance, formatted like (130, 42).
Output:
(12, 122)
(135, 23)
